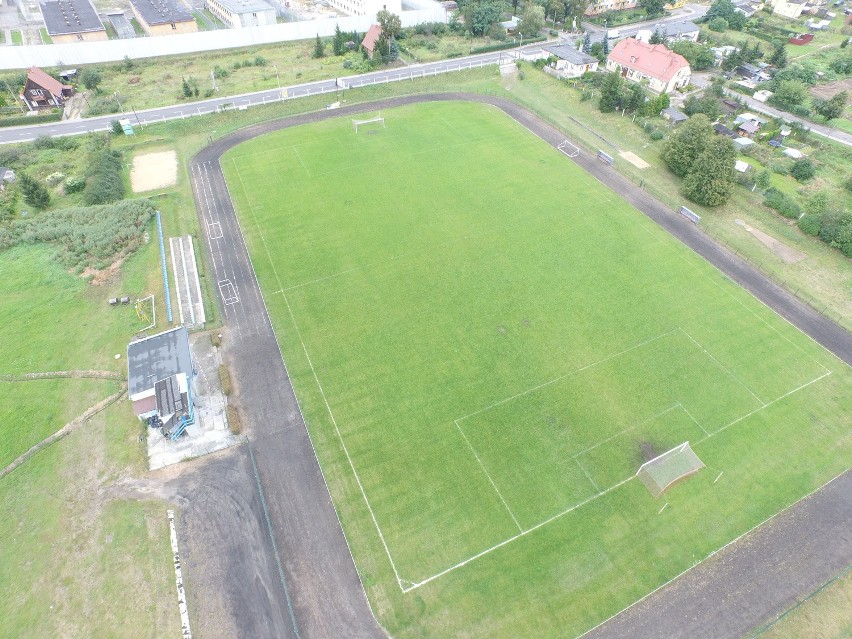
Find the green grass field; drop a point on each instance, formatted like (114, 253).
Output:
(492, 342)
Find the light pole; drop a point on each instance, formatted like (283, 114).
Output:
(277, 77)
(115, 95)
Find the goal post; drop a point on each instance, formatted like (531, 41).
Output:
(146, 311)
(376, 120)
(665, 470)
(569, 149)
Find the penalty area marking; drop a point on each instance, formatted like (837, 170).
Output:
(228, 292)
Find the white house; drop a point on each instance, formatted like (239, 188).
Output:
(674, 31)
(366, 7)
(791, 9)
(570, 62)
(662, 69)
(238, 14)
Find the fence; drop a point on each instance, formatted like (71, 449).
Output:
(58, 55)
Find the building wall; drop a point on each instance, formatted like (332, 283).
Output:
(788, 10)
(602, 6)
(570, 70)
(366, 7)
(244, 20)
(680, 79)
(88, 36)
(187, 26)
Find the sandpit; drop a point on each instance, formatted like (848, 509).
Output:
(634, 159)
(153, 171)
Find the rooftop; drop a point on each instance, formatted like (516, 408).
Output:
(155, 358)
(162, 11)
(70, 16)
(372, 36)
(675, 115)
(45, 81)
(572, 55)
(245, 6)
(654, 60)
(673, 29)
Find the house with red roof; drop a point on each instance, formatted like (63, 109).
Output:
(662, 69)
(43, 91)
(370, 40)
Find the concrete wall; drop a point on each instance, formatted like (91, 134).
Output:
(51, 55)
(187, 26)
(366, 7)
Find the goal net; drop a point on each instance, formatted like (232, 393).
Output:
(360, 123)
(661, 472)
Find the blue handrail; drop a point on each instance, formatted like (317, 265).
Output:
(165, 271)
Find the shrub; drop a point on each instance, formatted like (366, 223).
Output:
(225, 379)
(657, 135)
(718, 24)
(116, 127)
(75, 184)
(803, 170)
(234, 421)
(104, 181)
(810, 224)
(54, 178)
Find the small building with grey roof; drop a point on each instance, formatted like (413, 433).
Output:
(571, 62)
(154, 359)
(243, 13)
(163, 17)
(72, 21)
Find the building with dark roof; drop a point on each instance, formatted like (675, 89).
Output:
(153, 359)
(238, 14)
(571, 63)
(163, 17)
(72, 21)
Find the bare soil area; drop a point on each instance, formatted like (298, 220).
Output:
(786, 253)
(153, 171)
(634, 159)
(826, 91)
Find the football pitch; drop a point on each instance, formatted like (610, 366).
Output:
(487, 344)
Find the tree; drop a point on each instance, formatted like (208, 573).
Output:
(390, 24)
(711, 177)
(718, 24)
(789, 93)
(726, 10)
(532, 21)
(91, 79)
(338, 44)
(319, 48)
(34, 192)
(605, 45)
(750, 53)
(833, 108)
(779, 56)
(587, 43)
(658, 37)
(653, 7)
(479, 15)
(393, 50)
(803, 170)
(597, 51)
(612, 92)
(708, 105)
(635, 98)
(763, 179)
(685, 145)
(699, 56)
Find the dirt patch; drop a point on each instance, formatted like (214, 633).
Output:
(104, 275)
(826, 91)
(786, 253)
(634, 159)
(153, 171)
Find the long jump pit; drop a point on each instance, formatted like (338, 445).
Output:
(153, 171)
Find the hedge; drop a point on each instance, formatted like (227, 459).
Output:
(34, 119)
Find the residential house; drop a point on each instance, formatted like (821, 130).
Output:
(662, 69)
(43, 91)
(163, 17)
(673, 31)
(721, 53)
(743, 143)
(602, 6)
(752, 72)
(675, 116)
(750, 117)
(762, 96)
(570, 62)
(370, 39)
(748, 129)
(239, 14)
(791, 9)
(72, 21)
(721, 129)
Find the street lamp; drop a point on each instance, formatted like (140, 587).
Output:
(277, 77)
(115, 95)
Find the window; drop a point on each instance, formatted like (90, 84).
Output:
(79, 36)
(174, 26)
(37, 92)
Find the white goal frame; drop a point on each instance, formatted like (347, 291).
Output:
(140, 311)
(655, 487)
(569, 149)
(357, 123)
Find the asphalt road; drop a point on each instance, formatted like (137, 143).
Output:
(319, 579)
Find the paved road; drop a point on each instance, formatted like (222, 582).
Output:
(9, 135)
(319, 576)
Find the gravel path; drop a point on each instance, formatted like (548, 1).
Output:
(320, 585)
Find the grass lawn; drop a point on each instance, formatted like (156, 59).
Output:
(827, 614)
(499, 346)
(17, 37)
(45, 36)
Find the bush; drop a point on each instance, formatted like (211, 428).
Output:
(787, 207)
(657, 135)
(810, 224)
(234, 421)
(803, 170)
(718, 24)
(225, 379)
(75, 184)
(104, 181)
(36, 119)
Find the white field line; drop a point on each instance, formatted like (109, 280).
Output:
(262, 304)
(566, 375)
(322, 393)
(603, 492)
(626, 430)
(712, 553)
(703, 430)
(723, 367)
(586, 473)
(185, 631)
(296, 151)
(487, 474)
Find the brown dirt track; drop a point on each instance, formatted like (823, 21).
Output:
(283, 567)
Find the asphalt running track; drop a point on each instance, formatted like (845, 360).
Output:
(320, 591)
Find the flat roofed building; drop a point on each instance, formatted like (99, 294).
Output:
(238, 14)
(163, 17)
(366, 7)
(72, 21)
(153, 359)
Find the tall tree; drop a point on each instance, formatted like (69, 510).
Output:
(480, 15)
(685, 145)
(34, 192)
(658, 37)
(779, 56)
(612, 92)
(91, 79)
(605, 45)
(532, 21)
(338, 45)
(833, 108)
(653, 7)
(319, 48)
(587, 43)
(711, 178)
(390, 24)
